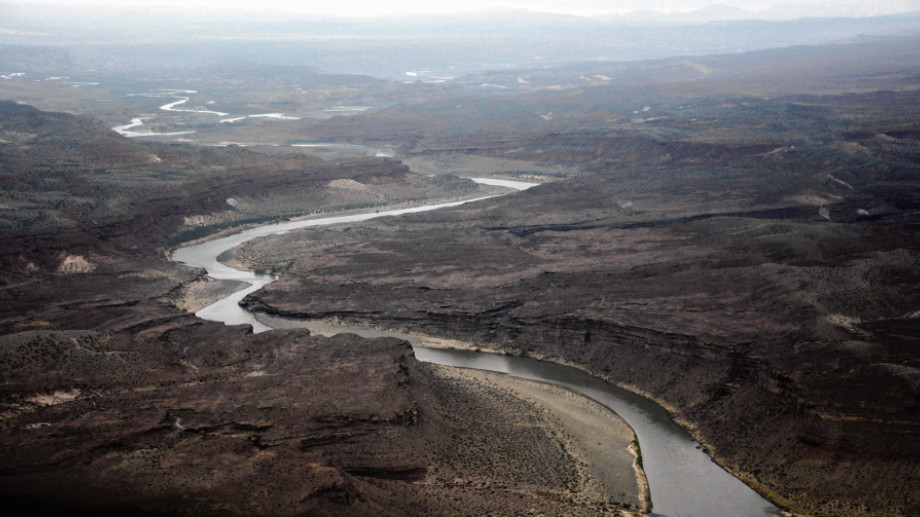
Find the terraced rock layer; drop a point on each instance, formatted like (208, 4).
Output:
(113, 401)
(767, 295)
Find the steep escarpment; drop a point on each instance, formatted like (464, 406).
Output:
(748, 258)
(766, 296)
(101, 423)
(69, 181)
(783, 369)
(115, 402)
(122, 427)
(79, 198)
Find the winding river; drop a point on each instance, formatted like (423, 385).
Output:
(683, 480)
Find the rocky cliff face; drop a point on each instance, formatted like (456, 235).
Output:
(123, 428)
(752, 292)
(175, 416)
(776, 402)
(115, 402)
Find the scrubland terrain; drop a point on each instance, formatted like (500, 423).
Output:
(274, 425)
(116, 402)
(748, 259)
(734, 236)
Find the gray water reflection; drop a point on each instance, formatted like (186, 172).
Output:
(683, 480)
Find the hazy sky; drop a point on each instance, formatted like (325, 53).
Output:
(579, 7)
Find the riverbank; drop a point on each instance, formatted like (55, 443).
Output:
(601, 449)
(515, 441)
(685, 476)
(347, 199)
(203, 292)
(690, 307)
(601, 442)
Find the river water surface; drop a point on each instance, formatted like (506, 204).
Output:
(683, 480)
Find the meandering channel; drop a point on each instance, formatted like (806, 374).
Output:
(683, 480)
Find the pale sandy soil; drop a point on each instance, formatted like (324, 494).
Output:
(201, 293)
(602, 443)
(594, 435)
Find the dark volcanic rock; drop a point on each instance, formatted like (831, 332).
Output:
(244, 425)
(114, 402)
(205, 420)
(767, 296)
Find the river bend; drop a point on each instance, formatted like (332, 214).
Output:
(683, 480)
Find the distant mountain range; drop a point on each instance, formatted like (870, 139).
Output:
(138, 38)
(15, 16)
(775, 12)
